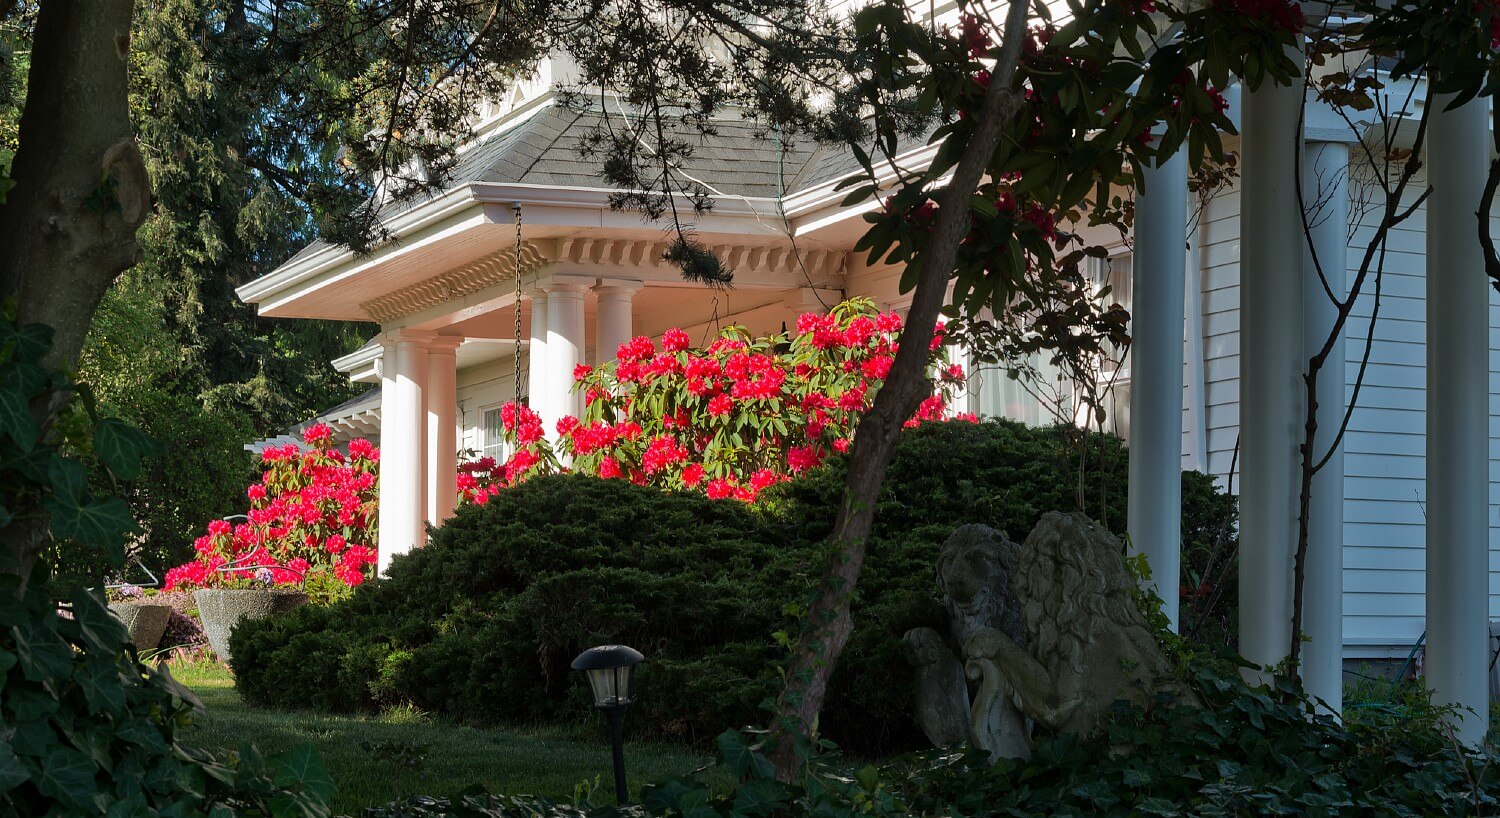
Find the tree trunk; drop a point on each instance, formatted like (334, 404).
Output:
(827, 629)
(67, 228)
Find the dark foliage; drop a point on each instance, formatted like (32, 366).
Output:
(1250, 751)
(480, 625)
(85, 727)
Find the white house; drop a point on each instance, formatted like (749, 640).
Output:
(469, 297)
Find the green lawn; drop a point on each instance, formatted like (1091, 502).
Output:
(529, 761)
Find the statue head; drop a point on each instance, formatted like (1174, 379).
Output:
(1071, 578)
(923, 646)
(974, 572)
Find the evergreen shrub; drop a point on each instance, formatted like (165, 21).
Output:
(481, 624)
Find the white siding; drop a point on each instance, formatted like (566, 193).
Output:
(1383, 485)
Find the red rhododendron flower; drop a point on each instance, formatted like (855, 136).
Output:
(317, 434)
(719, 488)
(302, 511)
(753, 410)
(662, 452)
(720, 405)
(801, 458)
(675, 340)
(635, 349)
(581, 372)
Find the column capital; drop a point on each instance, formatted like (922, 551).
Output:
(407, 336)
(618, 288)
(560, 284)
(440, 344)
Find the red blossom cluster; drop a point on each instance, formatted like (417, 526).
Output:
(728, 420)
(313, 511)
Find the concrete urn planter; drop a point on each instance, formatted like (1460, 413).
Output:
(222, 609)
(145, 622)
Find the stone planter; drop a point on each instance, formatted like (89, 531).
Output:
(145, 622)
(221, 610)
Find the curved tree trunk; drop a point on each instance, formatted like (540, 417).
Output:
(67, 228)
(828, 627)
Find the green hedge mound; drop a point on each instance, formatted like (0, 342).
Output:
(481, 624)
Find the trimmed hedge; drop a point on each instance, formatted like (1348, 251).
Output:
(481, 624)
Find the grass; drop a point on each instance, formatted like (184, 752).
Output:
(403, 751)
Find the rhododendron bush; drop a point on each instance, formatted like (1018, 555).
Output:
(728, 420)
(311, 522)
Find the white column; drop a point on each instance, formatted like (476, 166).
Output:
(403, 436)
(565, 348)
(536, 351)
(614, 325)
(1158, 280)
(1325, 192)
(1271, 366)
(1457, 416)
(442, 428)
(1196, 439)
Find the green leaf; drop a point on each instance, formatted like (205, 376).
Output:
(121, 447)
(66, 775)
(16, 420)
(100, 683)
(93, 521)
(744, 761)
(102, 632)
(760, 797)
(31, 342)
(12, 771)
(42, 653)
(302, 767)
(66, 478)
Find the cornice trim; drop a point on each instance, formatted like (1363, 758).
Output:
(615, 253)
(488, 271)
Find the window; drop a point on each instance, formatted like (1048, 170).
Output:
(492, 435)
(1112, 383)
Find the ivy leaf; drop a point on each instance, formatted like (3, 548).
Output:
(761, 797)
(42, 653)
(12, 771)
(65, 775)
(31, 341)
(16, 420)
(303, 768)
(102, 632)
(66, 478)
(743, 760)
(121, 447)
(101, 686)
(93, 521)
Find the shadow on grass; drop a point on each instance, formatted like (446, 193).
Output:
(377, 759)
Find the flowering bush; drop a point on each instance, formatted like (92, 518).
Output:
(311, 521)
(729, 420)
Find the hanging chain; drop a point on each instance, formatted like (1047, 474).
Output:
(712, 329)
(520, 388)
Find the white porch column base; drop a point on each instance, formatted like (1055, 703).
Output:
(403, 444)
(1159, 279)
(1325, 191)
(1457, 417)
(615, 325)
(536, 352)
(442, 428)
(565, 349)
(1271, 367)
